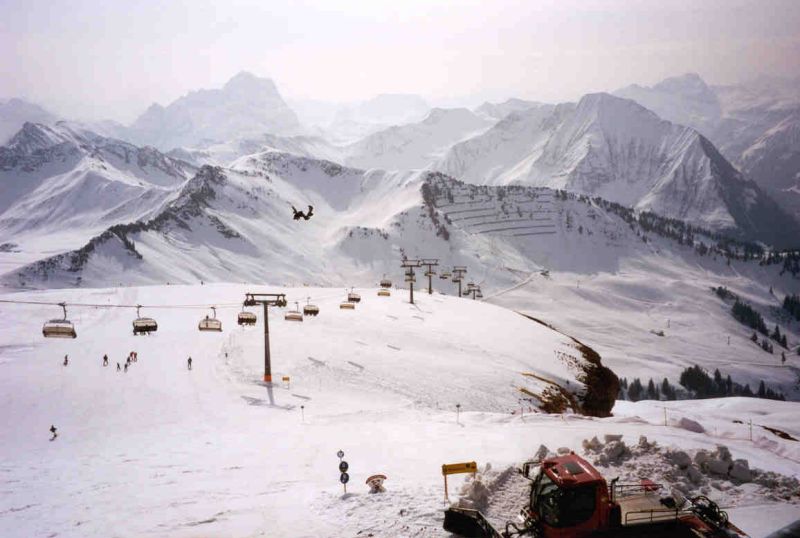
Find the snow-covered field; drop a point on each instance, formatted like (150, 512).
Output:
(163, 451)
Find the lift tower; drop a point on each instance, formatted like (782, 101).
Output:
(266, 299)
(429, 264)
(409, 266)
(458, 276)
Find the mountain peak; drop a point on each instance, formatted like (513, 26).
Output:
(686, 83)
(246, 82)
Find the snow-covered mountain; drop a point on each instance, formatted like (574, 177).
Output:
(754, 125)
(246, 106)
(355, 121)
(415, 145)
(685, 100)
(566, 260)
(14, 113)
(615, 148)
(498, 111)
(59, 186)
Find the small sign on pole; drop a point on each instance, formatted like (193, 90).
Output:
(457, 468)
(344, 478)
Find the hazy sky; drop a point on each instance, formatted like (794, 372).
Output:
(112, 58)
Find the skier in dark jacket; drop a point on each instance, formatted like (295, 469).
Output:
(189, 363)
(300, 215)
(53, 431)
(118, 367)
(66, 360)
(105, 360)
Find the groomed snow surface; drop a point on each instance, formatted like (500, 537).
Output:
(163, 451)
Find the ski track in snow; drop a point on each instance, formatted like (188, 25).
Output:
(163, 451)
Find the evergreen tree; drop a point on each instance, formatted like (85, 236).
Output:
(762, 390)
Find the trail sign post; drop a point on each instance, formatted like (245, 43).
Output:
(457, 468)
(344, 478)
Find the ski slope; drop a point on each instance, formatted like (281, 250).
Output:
(163, 451)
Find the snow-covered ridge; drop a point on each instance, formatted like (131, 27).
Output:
(620, 151)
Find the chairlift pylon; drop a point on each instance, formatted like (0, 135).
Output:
(59, 328)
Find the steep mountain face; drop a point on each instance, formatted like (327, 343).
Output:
(356, 121)
(246, 106)
(614, 148)
(14, 113)
(685, 100)
(415, 145)
(58, 180)
(754, 125)
(502, 154)
(498, 111)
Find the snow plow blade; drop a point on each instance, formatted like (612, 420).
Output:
(468, 523)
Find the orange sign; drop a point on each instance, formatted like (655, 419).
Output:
(458, 468)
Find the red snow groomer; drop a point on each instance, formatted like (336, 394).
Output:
(569, 498)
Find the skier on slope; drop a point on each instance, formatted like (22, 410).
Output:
(53, 431)
(105, 360)
(118, 367)
(66, 360)
(189, 363)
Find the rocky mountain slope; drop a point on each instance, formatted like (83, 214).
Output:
(415, 145)
(754, 125)
(60, 186)
(14, 113)
(617, 149)
(246, 106)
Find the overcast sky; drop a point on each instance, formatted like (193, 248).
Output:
(110, 58)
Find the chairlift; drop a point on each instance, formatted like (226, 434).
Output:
(479, 294)
(430, 273)
(245, 317)
(310, 309)
(211, 323)
(353, 297)
(347, 305)
(59, 328)
(143, 325)
(445, 275)
(385, 282)
(384, 293)
(294, 315)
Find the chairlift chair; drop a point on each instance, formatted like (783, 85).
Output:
(143, 325)
(385, 282)
(59, 328)
(430, 273)
(445, 275)
(294, 315)
(246, 318)
(211, 323)
(310, 309)
(347, 305)
(353, 297)
(384, 293)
